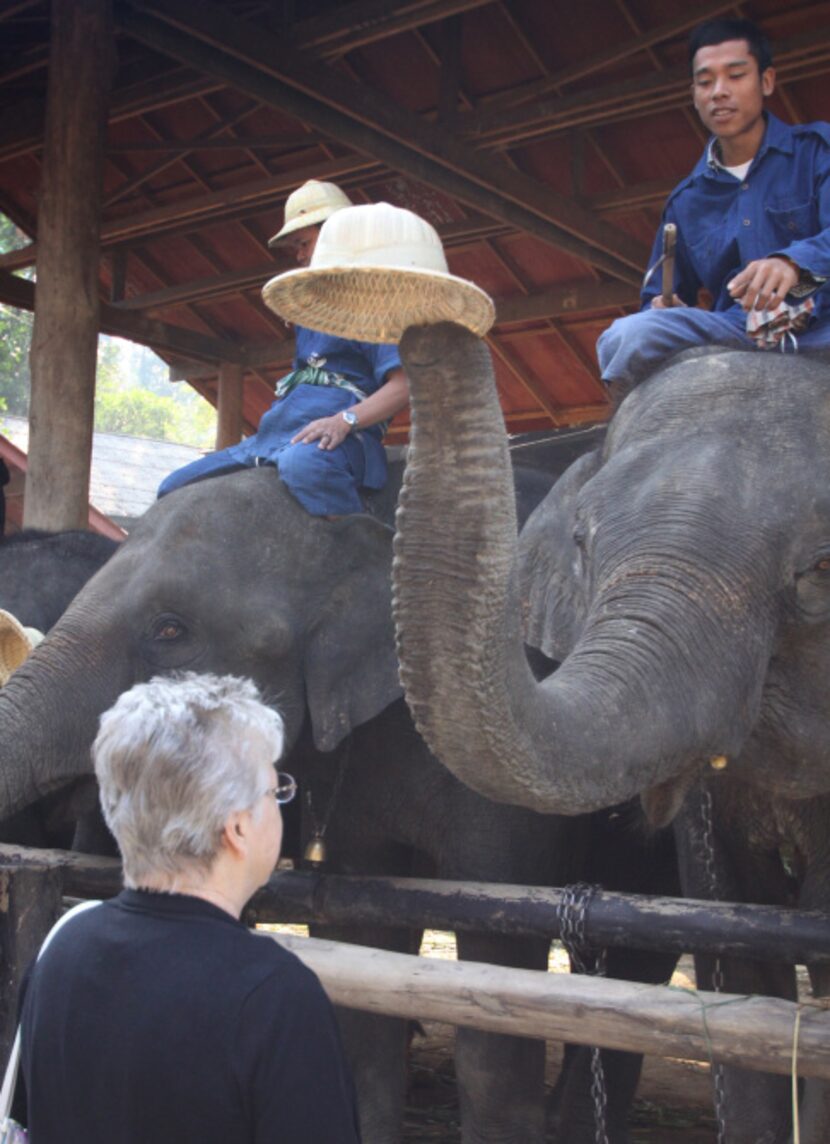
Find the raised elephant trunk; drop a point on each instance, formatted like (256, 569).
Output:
(597, 731)
(49, 713)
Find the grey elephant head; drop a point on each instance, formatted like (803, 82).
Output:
(681, 575)
(228, 575)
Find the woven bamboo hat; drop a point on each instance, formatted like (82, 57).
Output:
(15, 644)
(309, 205)
(376, 270)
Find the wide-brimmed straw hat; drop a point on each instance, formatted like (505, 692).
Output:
(376, 270)
(15, 644)
(310, 205)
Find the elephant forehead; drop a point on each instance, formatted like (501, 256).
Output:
(753, 396)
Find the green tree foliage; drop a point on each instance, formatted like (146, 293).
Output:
(134, 396)
(133, 393)
(15, 337)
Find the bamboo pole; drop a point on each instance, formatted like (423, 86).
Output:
(751, 1032)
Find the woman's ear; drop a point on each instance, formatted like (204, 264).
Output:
(235, 832)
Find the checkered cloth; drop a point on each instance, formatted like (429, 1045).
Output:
(768, 328)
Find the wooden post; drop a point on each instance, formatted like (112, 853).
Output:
(30, 901)
(65, 334)
(229, 405)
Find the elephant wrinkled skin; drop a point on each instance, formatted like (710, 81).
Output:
(231, 575)
(681, 574)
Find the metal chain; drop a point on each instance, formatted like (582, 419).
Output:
(572, 914)
(318, 828)
(707, 819)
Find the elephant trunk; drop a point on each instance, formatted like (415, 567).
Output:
(596, 732)
(49, 713)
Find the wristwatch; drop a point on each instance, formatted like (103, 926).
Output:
(351, 419)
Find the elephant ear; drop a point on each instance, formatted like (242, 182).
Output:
(551, 578)
(351, 668)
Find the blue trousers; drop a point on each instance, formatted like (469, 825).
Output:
(325, 482)
(634, 346)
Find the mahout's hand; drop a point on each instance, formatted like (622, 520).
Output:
(764, 283)
(328, 432)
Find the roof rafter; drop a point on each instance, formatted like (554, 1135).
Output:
(19, 292)
(626, 99)
(620, 51)
(251, 60)
(213, 206)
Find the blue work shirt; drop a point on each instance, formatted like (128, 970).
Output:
(364, 363)
(781, 206)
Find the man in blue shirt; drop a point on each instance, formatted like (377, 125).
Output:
(325, 429)
(753, 222)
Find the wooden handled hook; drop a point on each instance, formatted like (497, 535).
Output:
(669, 243)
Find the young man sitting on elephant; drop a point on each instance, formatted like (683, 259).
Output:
(339, 396)
(752, 219)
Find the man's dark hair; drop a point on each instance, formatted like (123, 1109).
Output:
(715, 32)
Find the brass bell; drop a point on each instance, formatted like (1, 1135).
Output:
(315, 851)
(718, 762)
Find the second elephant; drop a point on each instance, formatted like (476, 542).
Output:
(231, 575)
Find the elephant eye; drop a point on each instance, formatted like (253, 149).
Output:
(822, 565)
(166, 628)
(579, 535)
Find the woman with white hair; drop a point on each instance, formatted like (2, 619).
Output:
(158, 1016)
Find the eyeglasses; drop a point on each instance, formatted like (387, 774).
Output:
(285, 789)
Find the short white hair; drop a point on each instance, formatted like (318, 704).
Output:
(174, 757)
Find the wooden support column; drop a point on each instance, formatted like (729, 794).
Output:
(65, 333)
(30, 901)
(229, 405)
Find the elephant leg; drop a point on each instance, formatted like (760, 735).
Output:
(814, 848)
(756, 1106)
(376, 1046)
(501, 1079)
(718, 861)
(573, 1112)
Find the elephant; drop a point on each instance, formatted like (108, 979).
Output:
(41, 572)
(680, 576)
(232, 575)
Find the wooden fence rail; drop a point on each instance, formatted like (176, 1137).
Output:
(674, 925)
(754, 1032)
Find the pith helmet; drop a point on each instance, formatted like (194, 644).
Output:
(15, 644)
(376, 270)
(310, 204)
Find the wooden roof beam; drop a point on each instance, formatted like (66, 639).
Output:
(141, 177)
(287, 141)
(570, 300)
(362, 22)
(332, 34)
(21, 125)
(625, 99)
(247, 58)
(609, 56)
(231, 202)
(174, 340)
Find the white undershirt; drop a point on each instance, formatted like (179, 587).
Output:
(738, 172)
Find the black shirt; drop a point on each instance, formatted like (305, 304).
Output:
(159, 1017)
